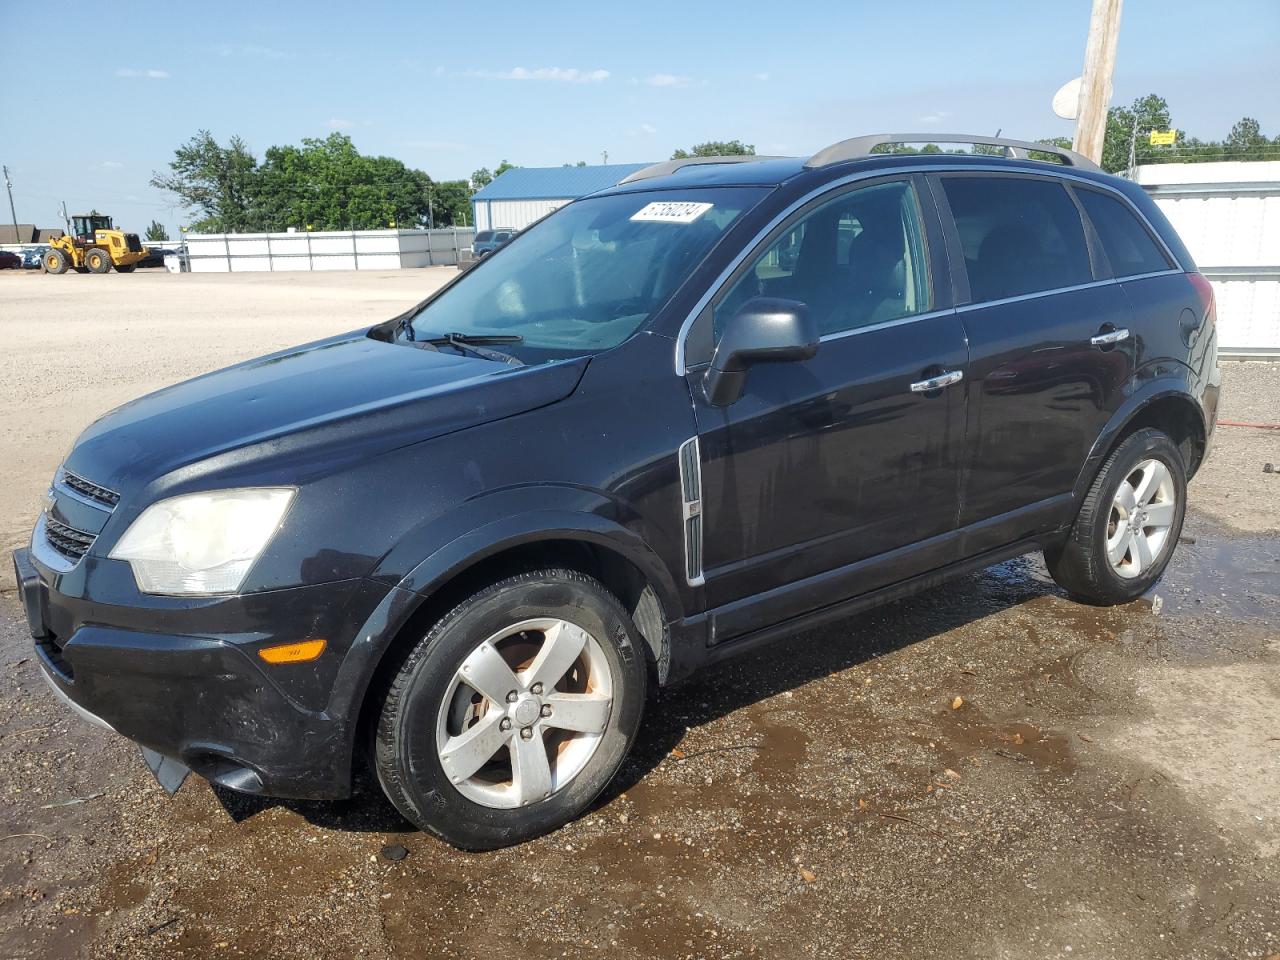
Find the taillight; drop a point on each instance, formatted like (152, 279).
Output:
(1208, 307)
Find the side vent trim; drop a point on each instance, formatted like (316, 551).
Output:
(691, 503)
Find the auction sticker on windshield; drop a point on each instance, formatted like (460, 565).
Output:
(672, 211)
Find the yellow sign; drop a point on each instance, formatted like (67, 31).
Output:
(1163, 138)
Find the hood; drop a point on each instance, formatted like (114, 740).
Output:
(350, 396)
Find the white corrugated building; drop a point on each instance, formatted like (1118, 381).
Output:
(525, 194)
(1228, 215)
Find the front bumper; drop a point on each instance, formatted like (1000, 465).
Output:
(196, 692)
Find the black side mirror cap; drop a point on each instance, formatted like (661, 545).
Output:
(764, 330)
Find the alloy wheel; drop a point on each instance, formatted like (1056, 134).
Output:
(524, 713)
(1142, 515)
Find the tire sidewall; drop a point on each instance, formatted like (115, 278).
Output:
(424, 786)
(1144, 445)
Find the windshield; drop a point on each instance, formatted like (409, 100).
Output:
(587, 277)
(484, 235)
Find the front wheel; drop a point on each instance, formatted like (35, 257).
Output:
(514, 711)
(97, 261)
(1128, 525)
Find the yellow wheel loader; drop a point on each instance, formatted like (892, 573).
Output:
(93, 246)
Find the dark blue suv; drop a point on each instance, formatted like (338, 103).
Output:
(721, 401)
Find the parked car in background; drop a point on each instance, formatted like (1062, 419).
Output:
(718, 403)
(487, 241)
(10, 261)
(32, 257)
(155, 256)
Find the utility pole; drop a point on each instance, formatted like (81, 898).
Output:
(66, 219)
(1095, 86)
(604, 157)
(8, 185)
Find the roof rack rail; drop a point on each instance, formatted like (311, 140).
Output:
(860, 147)
(671, 166)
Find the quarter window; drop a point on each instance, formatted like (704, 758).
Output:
(1019, 235)
(1127, 243)
(854, 261)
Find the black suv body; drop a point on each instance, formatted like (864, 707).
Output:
(792, 389)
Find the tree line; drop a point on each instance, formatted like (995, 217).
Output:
(321, 185)
(329, 185)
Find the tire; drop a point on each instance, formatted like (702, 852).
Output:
(430, 711)
(126, 267)
(55, 261)
(1128, 525)
(97, 260)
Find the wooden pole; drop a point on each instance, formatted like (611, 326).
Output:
(1095, 86)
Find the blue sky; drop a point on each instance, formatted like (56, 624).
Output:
(97, 97)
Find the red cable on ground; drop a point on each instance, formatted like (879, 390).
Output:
(1242, 423)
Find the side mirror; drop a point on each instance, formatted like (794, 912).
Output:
(764, 330)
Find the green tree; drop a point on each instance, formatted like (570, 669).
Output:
(1145, 114)
(329, 185)
(502, 168)
(218, 183)
(717, 148)
(156, 233)
(451, 203)
(481, 178)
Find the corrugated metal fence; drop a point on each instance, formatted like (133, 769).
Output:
(1228, 214)
(326, 250)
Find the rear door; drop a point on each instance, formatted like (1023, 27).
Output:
(835, 460)
(1050, 349)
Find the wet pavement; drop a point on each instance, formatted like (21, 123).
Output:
(987, 770)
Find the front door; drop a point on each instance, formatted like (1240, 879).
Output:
(846, 457)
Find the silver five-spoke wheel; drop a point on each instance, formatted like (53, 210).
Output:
(1142, 514)
(524, 713)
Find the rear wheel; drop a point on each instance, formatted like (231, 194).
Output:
(55, 261)
(126, 267)
(97, 261)
(514, 711)
(1128, 525)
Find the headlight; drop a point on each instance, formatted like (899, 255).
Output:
(201, 543)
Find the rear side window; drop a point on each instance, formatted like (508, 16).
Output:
(1019, 235)
(1128, 245)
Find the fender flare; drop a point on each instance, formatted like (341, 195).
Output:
(1168, 382)
(403, 600)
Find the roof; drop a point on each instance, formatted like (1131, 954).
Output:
(555, 183)
(764, 172)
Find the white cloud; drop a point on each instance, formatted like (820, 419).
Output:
(665, 80)
(338, 123)
(932, 118)
(107, 165)
(439, 72)
(562, 74)
(150, 74)
(648, 128)
(762, 76)
(451, 146)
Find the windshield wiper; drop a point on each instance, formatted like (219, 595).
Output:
(476, 343)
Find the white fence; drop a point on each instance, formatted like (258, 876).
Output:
(326, 250)
(1228, 215)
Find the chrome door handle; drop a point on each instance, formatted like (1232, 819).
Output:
(938, 382)
(1110, 337)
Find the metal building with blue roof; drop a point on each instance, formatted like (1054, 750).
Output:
(525, 194)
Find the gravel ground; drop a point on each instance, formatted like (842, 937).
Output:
(987, 770)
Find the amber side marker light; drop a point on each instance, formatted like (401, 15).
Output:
(293, 652)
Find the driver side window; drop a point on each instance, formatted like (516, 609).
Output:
(855, 261)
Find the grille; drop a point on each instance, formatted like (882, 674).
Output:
(68, 541)
(691, 497)
(87, 488)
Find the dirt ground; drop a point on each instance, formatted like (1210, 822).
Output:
(987, 770)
